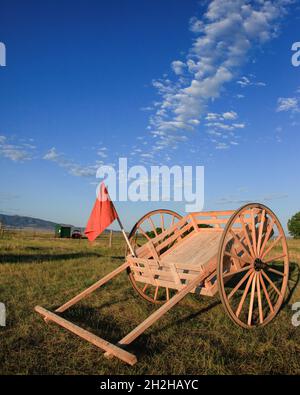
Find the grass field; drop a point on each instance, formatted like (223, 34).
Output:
(195, 337)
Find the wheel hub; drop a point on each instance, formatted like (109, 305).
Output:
(259, 264)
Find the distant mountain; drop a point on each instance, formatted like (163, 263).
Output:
(18, 221)
(21, 222)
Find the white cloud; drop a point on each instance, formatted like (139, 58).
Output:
(14, 153)
(245, 81)
(147, 108)
(71, 167)
(230, 115)
(219, 125)
(238, 125)
(178, 66)
(287, 104)
(196, 25)
(222, 126)
(52, 155)
(234, 199)
(212, 116)
(224, 36)
(222, 146)
(19, 151)
(102, 154)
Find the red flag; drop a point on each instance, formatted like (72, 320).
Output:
(102, 215)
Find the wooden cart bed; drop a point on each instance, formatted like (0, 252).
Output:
(197, 251)
(176, 256)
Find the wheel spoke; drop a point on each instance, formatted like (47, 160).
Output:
(275, 258)
(270, 269)
(244, 227)
(243, 269)
(162, 222)
(155, 293)
(251, 300)
(261, 315)
(275, 242)
(234, 256)
(240, 306)
(144, 233)
(253, 232)
(266, 292)
(261, 227)
(145, 287)
(236, 262)
(271, 282)
(243, 279)
(240, 243)
(267, 235)
(152, 225)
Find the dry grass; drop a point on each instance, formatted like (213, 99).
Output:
(195, 337)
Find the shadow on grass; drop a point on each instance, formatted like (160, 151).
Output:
(187, 318)
(91, 319)
(293, 282)
(40, 258)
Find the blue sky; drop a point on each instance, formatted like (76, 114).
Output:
(164, 82)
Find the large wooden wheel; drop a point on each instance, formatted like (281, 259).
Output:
(253, 266)
(148, 227)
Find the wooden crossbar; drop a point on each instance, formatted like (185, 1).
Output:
(90, 337)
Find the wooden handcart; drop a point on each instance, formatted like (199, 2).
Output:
(241, 254)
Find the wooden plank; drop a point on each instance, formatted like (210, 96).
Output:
(176, 237)
(197, 251)
(153, 251)
(163, 275)
(194, 222)
(180, 266)
(162, 283)
(90, 337)
(92, 288)
(166, 274)
(218, 224)
(175, 275)
(214, 213)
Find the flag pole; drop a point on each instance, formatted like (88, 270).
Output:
(122, 229)
(126, 238)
